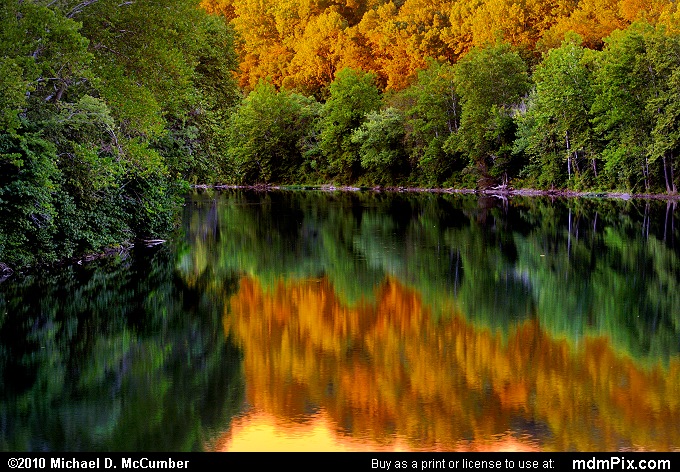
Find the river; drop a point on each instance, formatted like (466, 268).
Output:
(357, 321)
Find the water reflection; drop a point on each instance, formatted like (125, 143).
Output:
(388, 371)
(316, 434)
(603, 268)
(118, 355)
(320, 434)
(357, 321)
(436, 322)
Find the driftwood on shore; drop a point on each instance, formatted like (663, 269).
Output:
(5, 272)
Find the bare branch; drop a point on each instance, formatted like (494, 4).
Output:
(79, 8)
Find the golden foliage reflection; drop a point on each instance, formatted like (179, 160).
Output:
(389, 370)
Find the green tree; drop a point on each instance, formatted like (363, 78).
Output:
(266, 136)
(625, 80)
(381, 146)
(431, 108)
(106, 108)
(45, 69)
(28, 180)
(12, 94)
(663, 105)
(352, 95)
(491, 82)
(165, 66)
(556, 126)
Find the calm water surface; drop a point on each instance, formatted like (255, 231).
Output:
(357, 321)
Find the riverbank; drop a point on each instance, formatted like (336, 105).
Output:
(495, 191)
(7, 271)
(123, 250)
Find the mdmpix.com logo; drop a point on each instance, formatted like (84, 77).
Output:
(621, 463)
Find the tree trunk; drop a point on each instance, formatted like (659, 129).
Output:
(665, 221)
(646, 222)
(674, 188)
(61, 91)
(576, 170)
(566, 137)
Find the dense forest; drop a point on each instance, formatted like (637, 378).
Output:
(579, 95)
(111, 109)
(107, 109)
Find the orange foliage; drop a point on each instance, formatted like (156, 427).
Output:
(219, 7)
(300, 44)
(521, 23)
(407, 36)
(389, 370)
(594, 20)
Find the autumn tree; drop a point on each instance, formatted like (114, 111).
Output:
(317, 54)
(475, 23)
(594, 20)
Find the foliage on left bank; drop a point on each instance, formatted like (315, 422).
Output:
(107, 110)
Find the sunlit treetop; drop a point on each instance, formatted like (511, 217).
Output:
(302, 45)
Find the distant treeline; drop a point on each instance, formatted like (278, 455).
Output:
(580, 118)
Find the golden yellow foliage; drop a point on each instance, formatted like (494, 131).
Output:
(670, 17)
(386, 46)
(302, 44)
(594, 20)
(318, 52)
(522, 23)
(391, 367)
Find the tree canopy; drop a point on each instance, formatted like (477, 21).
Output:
(107, 107)
(303, 44)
